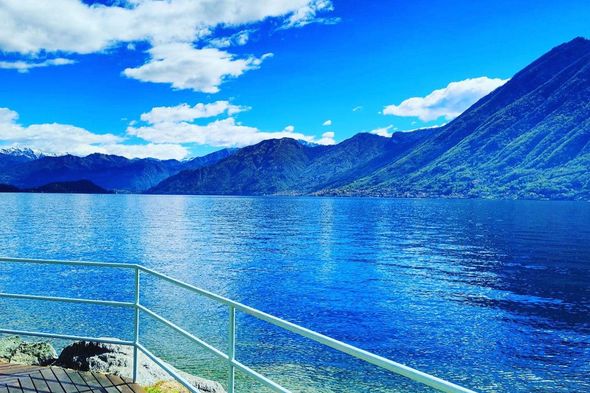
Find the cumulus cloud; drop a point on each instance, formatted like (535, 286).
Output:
(178, 32)
(185, 112)
(162, 133)
(309, 14)
(176, 125)
(162, 151)
(25, 66)
(383, 131)
(33, 27)
(448, 102)
(185, 67)
(220, 133)
(326, 139)
(238, 39)
(327, 123)
(55, 138)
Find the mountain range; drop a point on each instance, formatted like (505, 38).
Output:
(68, 187)
(528, 139)
(26, 169)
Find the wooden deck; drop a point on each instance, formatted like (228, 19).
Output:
(15, 378)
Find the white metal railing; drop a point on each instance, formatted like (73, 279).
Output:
(229, 356)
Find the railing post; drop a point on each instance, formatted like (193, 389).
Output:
(136, 327)
(231, 353)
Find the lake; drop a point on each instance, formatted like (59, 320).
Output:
(492, 295)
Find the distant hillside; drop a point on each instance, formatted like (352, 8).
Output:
(286, 166)
(107, 171)
(527, 139)
(71, 187)
(8, 188)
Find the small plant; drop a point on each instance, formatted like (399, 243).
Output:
(166, 387)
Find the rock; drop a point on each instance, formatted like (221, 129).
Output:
(15, 350)
(118, 360)
(35, 354)
(8, 346)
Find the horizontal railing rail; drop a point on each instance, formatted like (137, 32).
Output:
(229, 356)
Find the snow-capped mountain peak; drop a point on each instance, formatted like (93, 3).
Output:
(21, 152)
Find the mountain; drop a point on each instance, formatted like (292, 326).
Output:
(269, 167)
(8, 188)
(286, 166)
(527, 139)
(13, 156)
(211, 158)
(22, 153)
(107, 171)
(71, 187)
(530, 138)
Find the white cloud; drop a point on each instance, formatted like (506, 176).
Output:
(55, 138)
(238, 39)
(327, 123)
(448, 102)
(326, 139)
(176, 30)
(383, 131)
(357, 108)
(175, 125)
(185, 67)
(7, 117)
(309, 14)
(220, 133)
(185, 112)
(25, 66)
(162, 151)
(35, 26)
(165, 132)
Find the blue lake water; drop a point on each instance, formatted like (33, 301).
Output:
(493, 295)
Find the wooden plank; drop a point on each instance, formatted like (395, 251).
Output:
(102, 380)
(66, 383)
(34, 379)
(26, 384)
(18, 369)
(77, 380)
(39, 382)
(51, 381)
(90, 380)
(111, 389)
(14, 387)
(126, 379)
(124, 388)
(136, 388)
(6, 379)
(115, 379)
(15, 366)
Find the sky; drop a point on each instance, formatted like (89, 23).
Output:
(182, 78)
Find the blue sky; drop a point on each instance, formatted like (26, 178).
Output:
(231, 73)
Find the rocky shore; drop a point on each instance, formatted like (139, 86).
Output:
(96, 357)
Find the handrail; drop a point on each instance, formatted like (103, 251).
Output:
(67, 337)
(233, 364)
(111, 303)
